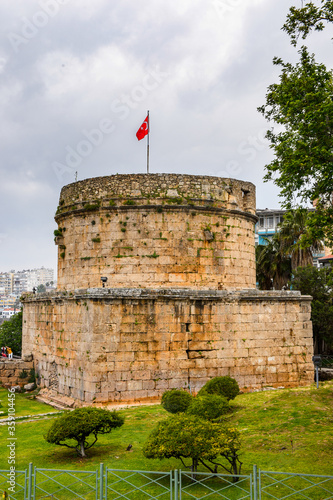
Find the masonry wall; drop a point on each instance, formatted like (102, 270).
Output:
(12, 371)
(132, 344)
(157, 230)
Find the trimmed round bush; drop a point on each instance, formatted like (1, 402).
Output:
(224, 386)
(209, 407)
(176, 401)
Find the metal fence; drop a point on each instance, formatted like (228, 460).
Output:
(62, 484)
(286, 485)
(326, 361)
(117, 484)
(213, 486)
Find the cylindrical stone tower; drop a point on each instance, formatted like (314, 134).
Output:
(156, 231)
(179, 306)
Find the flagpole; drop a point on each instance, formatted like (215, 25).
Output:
(148, 143)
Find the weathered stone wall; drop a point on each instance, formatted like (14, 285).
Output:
(158, 230)
(132, 344)
(11, 369)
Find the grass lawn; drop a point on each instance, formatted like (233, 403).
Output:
(282, 430)
(25, 404)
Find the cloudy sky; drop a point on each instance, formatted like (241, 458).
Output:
(76, 80)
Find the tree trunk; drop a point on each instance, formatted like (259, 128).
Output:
(235, 470)
(82, 452)
(194, 467)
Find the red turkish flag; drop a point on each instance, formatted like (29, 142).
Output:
(143, 130)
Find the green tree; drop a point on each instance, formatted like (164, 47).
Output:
(319, 284)
(296, 240)
(11, 333)
(185, 436)
(301, 105)
(78, 424)
(41, 289)
(291, 247)
(273, 266)
(301, 21)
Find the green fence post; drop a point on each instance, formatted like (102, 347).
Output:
(29, 481)
(101, 481)
(255, 483)
(176, 484)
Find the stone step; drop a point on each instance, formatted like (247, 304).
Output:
(64, 401)
(55, 404)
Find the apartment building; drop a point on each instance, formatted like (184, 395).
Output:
(267, 224)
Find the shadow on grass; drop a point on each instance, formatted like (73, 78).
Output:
(67, 456)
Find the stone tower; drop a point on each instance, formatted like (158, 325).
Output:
(158, 231)
(179, 303)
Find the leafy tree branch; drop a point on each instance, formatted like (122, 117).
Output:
(301, 21)
(301, 107)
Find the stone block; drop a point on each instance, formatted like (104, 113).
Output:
(161, 385)
(120, 385)
(142, 375)
(271, 378)
(27, 357)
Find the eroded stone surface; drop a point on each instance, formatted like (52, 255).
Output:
(11, 371)
(131, 344)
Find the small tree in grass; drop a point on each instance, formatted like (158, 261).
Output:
(224, 386)
(188, 437)
(78, 424)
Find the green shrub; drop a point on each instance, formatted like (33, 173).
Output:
(224, 386)
(92, 206)
(79, 424)
(209, 407)
(176, 200)
(32, 376)
(153, 255)
(176, 401)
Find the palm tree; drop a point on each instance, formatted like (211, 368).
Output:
(273, 266)
(295, 239)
